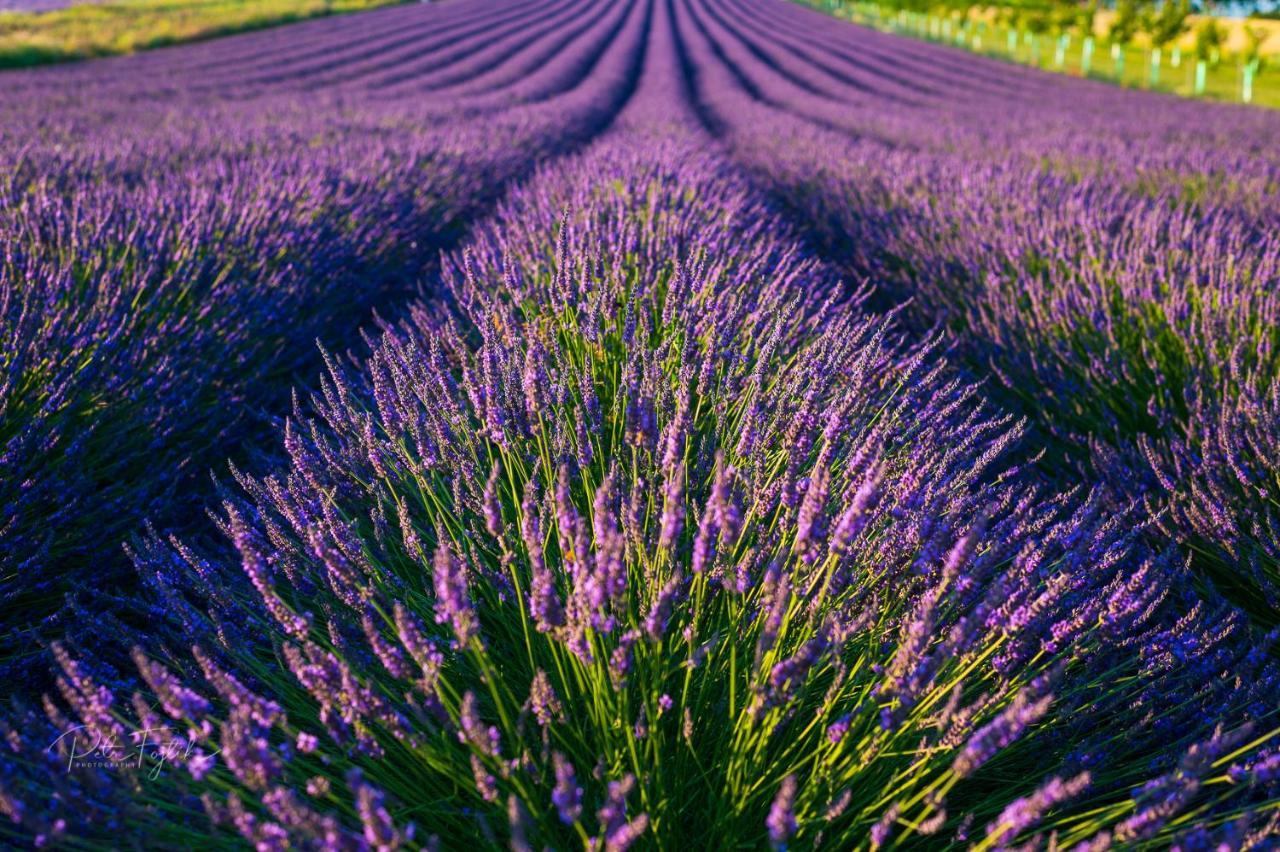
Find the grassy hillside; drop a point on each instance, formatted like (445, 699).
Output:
(125, 26)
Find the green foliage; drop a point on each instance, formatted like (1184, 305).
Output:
(1083, 17)
(1127, 23)
(1209, 38)
(1040, 20)
(1166, 24)
(1018, 31)
(1254, 39)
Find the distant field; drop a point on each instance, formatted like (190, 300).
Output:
(1133, 65)
(37, 32)
(39, 5)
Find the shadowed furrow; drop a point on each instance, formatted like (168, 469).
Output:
(1123, 308)
(291, 229)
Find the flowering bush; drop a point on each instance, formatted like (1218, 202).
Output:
(644, 529)
(163, 279)
(1113, 277)
(640, 538)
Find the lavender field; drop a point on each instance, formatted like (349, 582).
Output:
(651, 424)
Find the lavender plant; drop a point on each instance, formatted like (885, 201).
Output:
(156, 315)
(643, 529)
(1127, 313)
(639, 539)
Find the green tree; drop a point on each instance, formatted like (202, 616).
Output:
(1209, 38)
(1166, 24)
(1254, 37)
(1124, 28)
(1083, 17)
(1127, 23)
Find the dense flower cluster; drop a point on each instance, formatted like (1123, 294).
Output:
(164, 279)
(645, 527)
(1110, 260)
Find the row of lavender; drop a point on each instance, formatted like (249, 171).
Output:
(645, 530)
(179, 229)
(1108, 259)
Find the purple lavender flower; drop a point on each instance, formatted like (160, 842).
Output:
(774, 494)
(655, 624)
(883, 829)
(178, 701)
(544, 601)
(486, 784)
(492, 506)
(1012, 722)
(1026, 812)
(247, 752)
(618, 833)
(473, 731)
(380, 831)
(453, 598)
(543, 702)
(620, 839)
(567, 795)
(410, 632)
(307, 743)
(518, 824)
(781, 822)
